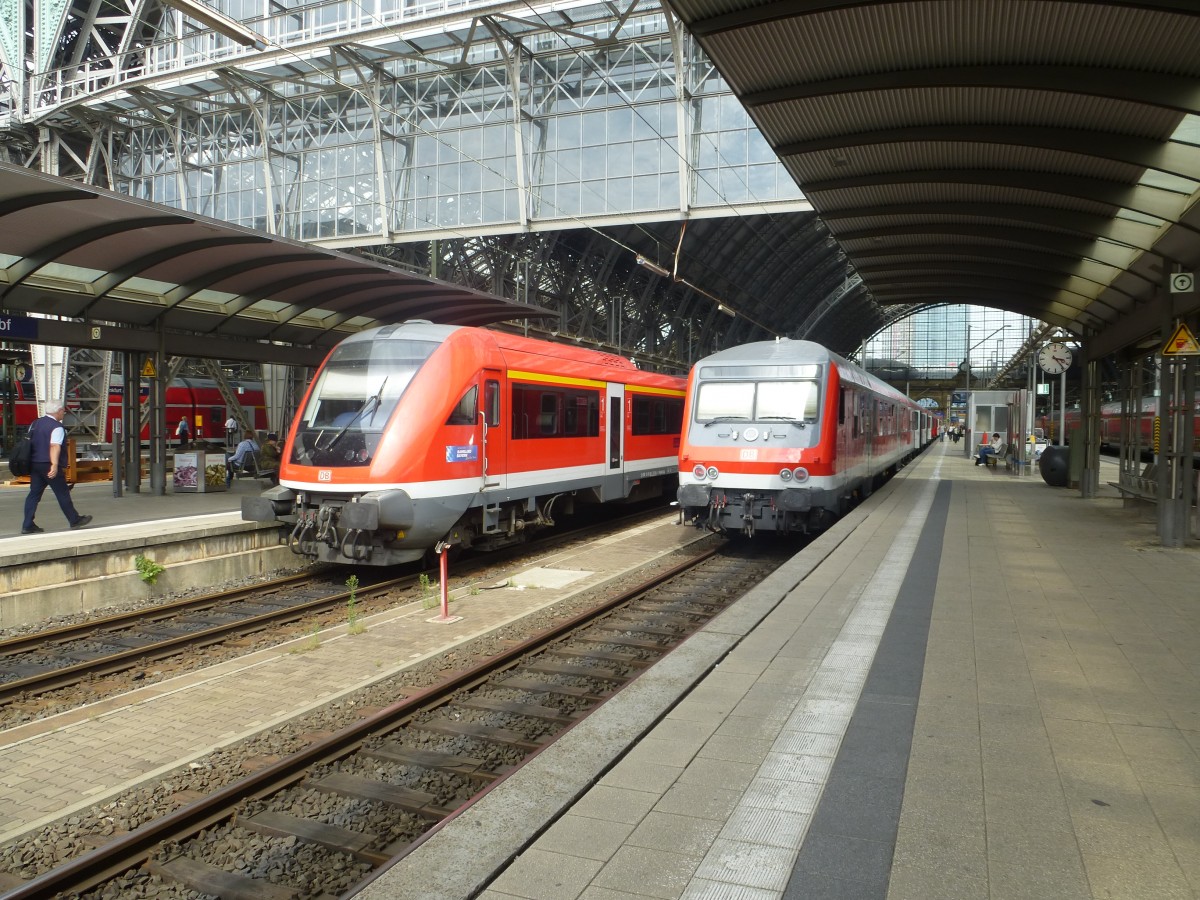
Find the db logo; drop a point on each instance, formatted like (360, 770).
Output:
(324, 474)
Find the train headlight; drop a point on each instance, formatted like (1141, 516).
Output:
(698, 471)
(800, 474)
(712, 473)
(785, 474)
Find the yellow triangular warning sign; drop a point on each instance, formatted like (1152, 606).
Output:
(148, 368)
(1182, 343)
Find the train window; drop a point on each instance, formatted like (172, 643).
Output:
(539, 412)
(841, 406)
(794, 400)
(464, 410)
(353, 397)
(724, 400)
(491, 403)
(361, 383)
(729, 401)
(760, 372)
(657, 415)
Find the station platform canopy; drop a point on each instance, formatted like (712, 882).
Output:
(77, 252)
(1042, 158)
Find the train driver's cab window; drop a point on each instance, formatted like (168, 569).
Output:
(355, 394)
(464, 411)
(765, 401)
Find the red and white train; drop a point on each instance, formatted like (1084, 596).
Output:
(785, 436)
(198, 399)
(1114, 428)
(418, 435)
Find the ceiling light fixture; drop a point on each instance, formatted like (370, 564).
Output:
(653, 267)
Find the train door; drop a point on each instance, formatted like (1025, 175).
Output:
(493, 447)
(614, 473)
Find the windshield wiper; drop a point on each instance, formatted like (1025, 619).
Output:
(371, 402)
(799, 422)
(726, 419)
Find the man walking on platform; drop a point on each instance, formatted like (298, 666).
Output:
(231, 430)
(48, 438)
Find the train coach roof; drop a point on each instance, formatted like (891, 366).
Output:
(781, 351)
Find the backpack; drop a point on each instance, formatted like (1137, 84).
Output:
(20, 461)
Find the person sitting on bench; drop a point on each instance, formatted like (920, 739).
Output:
(992, 449)
(245, 451)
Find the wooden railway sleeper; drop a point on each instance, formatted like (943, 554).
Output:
(342, 840)
(482, 732)
(466, 766)
(416, 802)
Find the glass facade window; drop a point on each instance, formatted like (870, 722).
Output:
(578, 129)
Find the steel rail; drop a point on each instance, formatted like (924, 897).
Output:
(135, 848)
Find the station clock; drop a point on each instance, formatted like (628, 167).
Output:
(1054, 358)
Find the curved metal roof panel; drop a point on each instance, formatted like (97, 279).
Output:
(79, 252)
(1061, 135)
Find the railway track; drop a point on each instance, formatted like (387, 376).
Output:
(35, 664)
(320, 821)
(46, 661)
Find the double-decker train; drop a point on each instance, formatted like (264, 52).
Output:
(197, 399)
(417, 436)
(785, 436)
(1114, 428)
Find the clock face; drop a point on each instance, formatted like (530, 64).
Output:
(1054, 358)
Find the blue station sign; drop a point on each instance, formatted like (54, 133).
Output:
(21, 327)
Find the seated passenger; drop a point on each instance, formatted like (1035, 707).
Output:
(269, 455)
(268, 458)
(244, 451)
(992, 449)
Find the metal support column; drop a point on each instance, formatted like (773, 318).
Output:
(1089, 413)
(131, 418)
(1176, 479)
(158, 424)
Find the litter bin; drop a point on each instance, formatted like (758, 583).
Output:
(1055, 466)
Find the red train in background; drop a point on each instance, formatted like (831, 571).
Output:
(785, 436)
(1112, 433)
(417, 435)
(196, 398)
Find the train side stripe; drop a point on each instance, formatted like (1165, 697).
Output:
(554, 379)
(643, 389)
(538, 478)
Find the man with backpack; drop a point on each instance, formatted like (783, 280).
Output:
(47, 439)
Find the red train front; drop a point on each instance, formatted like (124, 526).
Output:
(785, 436)
(417, 434)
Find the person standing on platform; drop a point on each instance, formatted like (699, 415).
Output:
(48, 438)
(183, 431)
(231, 427)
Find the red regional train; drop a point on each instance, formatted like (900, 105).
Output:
(196, 398)
(417, 435)
(785, 436)
(1111, 426)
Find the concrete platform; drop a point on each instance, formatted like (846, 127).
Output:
(978, 686)
(200, 539)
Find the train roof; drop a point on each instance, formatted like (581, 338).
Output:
(783, 350)
(422, 330)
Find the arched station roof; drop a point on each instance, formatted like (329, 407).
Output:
(80, 252)
(1040, 157)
